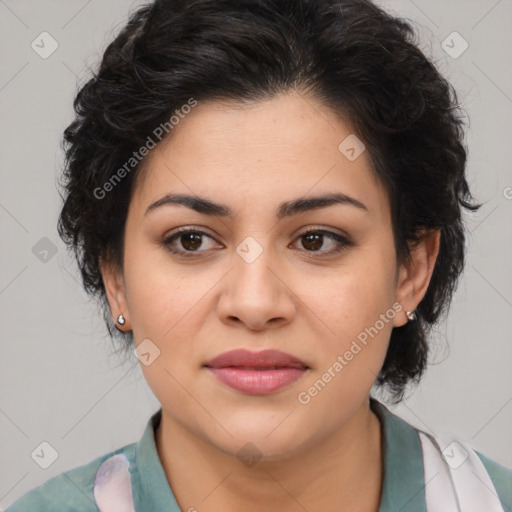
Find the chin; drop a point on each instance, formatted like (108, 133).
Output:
(263, 440)
(260, 452)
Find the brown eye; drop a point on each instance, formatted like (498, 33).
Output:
(314, 240)
(191, 241)
(186, 241)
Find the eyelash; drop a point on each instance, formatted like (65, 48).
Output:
(342, 242)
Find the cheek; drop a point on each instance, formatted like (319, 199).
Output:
(166, 305)
(352, 297)
(159, 293)
(356, 307)
(358, 310)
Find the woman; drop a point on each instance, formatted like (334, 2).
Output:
(266, 197)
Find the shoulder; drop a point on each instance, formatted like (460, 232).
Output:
(421, 456)
(72, 490)
(480, 479)
(501, 477)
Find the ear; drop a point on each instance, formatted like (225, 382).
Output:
(414, 278)
(116, 293)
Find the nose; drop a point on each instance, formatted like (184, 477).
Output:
(256, 294)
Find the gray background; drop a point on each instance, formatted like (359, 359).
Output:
(60, 382)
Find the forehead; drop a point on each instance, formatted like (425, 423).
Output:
(260, 153)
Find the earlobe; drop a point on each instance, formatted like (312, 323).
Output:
(115, 291)
(415, 277)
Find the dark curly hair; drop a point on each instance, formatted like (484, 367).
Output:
(352, 56)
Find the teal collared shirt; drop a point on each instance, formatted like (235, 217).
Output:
(403, 486)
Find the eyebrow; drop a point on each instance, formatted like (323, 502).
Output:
(285, 209)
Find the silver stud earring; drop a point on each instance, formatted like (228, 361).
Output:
(411, 315)
(121, 320)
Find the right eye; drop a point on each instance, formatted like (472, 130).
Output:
(189, 239)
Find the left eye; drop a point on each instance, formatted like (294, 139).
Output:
(315, 239)
(312, 240)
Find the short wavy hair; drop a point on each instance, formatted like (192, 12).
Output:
(351, 55)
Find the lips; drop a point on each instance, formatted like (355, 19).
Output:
(266, 359)
(256, 373)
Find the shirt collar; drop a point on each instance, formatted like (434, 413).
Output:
(403, 486)
(152, 490)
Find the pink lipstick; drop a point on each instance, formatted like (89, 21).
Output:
(256, 373)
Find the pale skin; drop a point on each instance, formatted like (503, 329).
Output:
(297, 296)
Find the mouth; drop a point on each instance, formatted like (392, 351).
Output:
(256, 373)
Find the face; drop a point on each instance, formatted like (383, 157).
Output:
(249, 276)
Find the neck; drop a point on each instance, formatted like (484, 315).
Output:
(342, 472)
